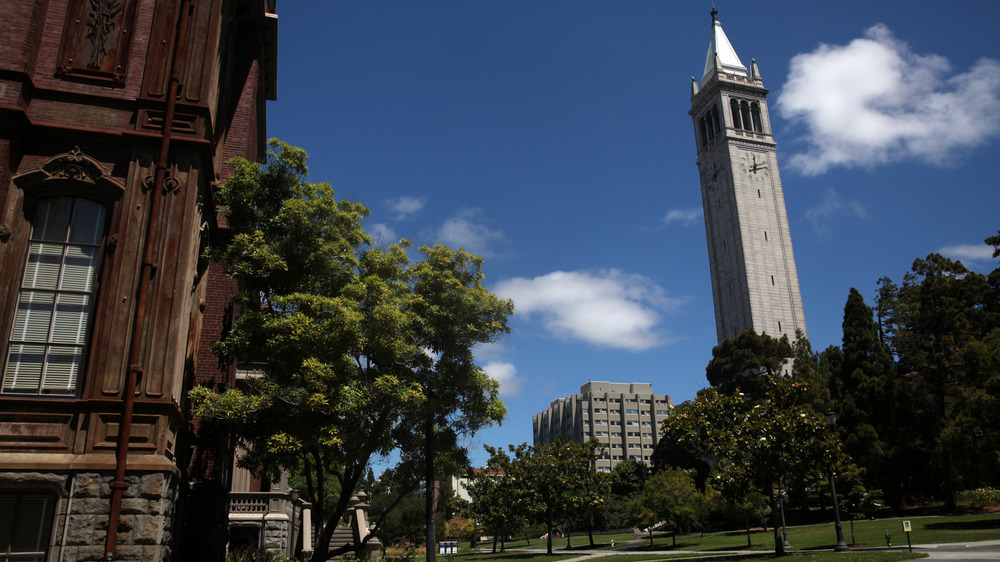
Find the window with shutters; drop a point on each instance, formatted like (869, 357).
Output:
(25, 526)
(48, 340)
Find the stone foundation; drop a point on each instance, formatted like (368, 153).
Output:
(145, 530)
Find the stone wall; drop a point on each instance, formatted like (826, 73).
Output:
(146, 528)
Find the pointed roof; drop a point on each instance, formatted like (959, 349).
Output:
(720, 47)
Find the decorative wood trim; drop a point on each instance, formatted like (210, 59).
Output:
(96, 38)
(71, 169)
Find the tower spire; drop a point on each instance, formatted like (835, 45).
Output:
(719, 46)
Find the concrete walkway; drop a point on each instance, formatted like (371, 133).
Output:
(972, 551)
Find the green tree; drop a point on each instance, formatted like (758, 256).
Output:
(755, 444)
(811, 371)
(496, 497)
(673, 499)
(626, 481)
(867, 394)
(461, 528)
(930, 320)
(628, 477)
(359, 348)
(556, 481)
(742, 362)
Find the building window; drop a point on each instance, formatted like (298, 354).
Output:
(25, 525)
(47, 347)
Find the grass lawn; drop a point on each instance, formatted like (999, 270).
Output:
(643, 557)
(926, 530)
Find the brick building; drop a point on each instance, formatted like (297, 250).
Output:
(116, 119)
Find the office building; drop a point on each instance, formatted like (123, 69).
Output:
(624, 417)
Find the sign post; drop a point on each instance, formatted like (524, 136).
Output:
(908, 528)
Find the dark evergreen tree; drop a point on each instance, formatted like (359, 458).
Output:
(810, 372)
(867, 395)
(741, 363)
(941, 313)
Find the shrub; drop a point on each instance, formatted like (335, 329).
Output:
(980, 497)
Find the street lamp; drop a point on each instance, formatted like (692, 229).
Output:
(293, 496)
(384, 525)
(784, 529)
(841, 546)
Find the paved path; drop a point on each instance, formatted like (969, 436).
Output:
(972, 552)
(983, 550)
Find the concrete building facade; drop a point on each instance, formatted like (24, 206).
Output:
(754, 279)
(624, 417)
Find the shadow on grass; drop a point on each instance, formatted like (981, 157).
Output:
(974, 525)
(690, 546)
(506, 555)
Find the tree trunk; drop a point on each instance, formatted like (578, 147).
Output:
(650, 536)
(503, 539)
(548, 536)
(779, 545)
(431, 504)
(674, 539)
(746, 521)
(590, 535)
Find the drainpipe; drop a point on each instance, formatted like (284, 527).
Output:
(146, 276)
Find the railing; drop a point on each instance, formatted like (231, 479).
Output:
(260, 503)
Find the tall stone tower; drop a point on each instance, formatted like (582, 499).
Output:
(754, 281)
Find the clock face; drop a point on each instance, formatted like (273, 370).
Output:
(753, 162)
(712, 174)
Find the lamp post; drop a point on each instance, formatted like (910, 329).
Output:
(841, 546)
(293, 496)
(384, 524)
(784, 529)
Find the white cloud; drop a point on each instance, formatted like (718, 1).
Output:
(686, 217)
(506, 375)
(831, 207)
(606, 308)
(405, 206)
(382, 235)
(968, 253)
(875, 101)
(467, 230)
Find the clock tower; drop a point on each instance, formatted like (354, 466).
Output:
(754, 280)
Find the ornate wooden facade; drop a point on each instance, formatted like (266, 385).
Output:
(116, 120)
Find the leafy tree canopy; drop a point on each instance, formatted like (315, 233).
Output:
(738, 363)
(354, 342)
(756, 445)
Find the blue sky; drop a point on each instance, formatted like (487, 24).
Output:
(552, 138)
